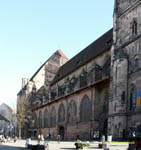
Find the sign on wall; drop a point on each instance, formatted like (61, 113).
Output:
(138, 104)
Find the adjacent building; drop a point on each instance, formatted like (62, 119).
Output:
(8, 122)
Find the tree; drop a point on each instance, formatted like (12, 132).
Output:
(22, 109)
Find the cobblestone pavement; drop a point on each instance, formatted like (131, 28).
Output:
(54, 145)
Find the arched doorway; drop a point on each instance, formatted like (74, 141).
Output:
(61, 132)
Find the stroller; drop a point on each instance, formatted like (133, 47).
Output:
(2, 139)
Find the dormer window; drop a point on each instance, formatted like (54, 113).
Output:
(134, 28)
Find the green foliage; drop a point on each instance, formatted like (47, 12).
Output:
(80, 145)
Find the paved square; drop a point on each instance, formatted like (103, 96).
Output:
(54, 145)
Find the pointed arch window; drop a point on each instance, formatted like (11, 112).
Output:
(85, 109)
(35, 120)
(134, 27)
(72, 110)
(53, 117)
(105, 105)
(40, 120)
(61, 113)
(133, 98)
(46, 118)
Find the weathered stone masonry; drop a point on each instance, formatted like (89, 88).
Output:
(97, 90)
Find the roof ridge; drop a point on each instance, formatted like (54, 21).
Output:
(60, 52)
(97, 47)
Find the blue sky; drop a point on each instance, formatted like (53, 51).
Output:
(31, 30)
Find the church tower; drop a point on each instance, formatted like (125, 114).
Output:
(125, 67)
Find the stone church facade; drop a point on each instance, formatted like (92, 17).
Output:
(98, 90)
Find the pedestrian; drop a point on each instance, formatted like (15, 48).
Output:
(77, 138)
(47, 137)
(39, 138)
(134, 133)
(58, 138)
(15, 139)
(9, 139)
(42, 139)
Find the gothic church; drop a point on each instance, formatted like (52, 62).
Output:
(97, 91)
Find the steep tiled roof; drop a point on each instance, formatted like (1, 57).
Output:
(93, 50)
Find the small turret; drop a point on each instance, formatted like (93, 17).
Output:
(24, 82)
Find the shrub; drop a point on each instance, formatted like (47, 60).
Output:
(80, 145)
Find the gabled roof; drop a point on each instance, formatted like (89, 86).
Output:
(58, 52)
(93, 50)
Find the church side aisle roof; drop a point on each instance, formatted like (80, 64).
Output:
(93, 50)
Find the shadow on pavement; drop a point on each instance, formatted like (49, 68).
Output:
(69, 148)
(93, 148)
(4, 147)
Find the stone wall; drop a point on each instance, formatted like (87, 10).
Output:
(125, 67)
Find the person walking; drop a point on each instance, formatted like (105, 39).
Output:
(39, 139)
(42, 139)
(58, 138)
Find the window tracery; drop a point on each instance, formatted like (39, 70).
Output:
(85, 109)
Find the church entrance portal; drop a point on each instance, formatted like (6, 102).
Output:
(61, 132)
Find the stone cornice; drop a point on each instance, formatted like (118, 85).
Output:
(117, 114)
(129, 42)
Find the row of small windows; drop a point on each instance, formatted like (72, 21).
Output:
(46, 120)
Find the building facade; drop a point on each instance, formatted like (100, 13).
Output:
(8, 122)
(125, 102)
(98, 90)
